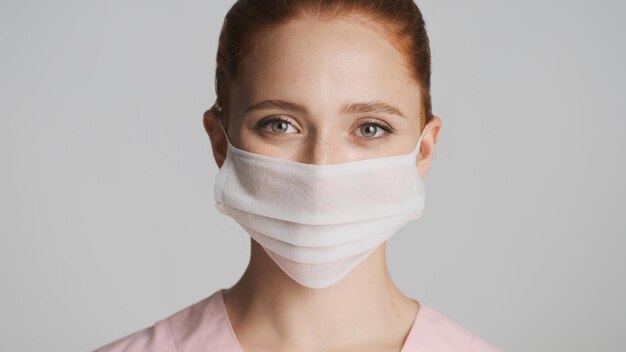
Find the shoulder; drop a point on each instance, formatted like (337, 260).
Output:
(199, 324)
(477, 344)
(153, 338)
(437, 332)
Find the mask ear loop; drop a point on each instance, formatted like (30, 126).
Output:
(416, 152)
(224, 131)
(217, 110)
(419, 143)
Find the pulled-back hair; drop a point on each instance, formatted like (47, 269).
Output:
(399, 21)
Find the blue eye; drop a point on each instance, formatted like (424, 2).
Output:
(370, 130)
(278, 125)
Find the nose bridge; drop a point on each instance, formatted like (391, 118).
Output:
(318, 152)
(322, 148)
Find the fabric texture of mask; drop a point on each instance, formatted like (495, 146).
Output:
(318, 222)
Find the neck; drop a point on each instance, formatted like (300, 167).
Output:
(364, 309)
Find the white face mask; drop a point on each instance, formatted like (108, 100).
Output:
(318, 222)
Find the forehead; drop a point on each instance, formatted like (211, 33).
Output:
(324, 64)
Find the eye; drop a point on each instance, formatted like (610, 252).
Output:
(277, 125)
(372, 130)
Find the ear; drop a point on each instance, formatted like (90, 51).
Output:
(219, 144)
(427, 149)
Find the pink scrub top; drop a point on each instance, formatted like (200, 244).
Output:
(204, 327)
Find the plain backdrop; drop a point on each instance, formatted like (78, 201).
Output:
(107, 221)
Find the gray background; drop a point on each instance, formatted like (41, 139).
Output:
(107, 223)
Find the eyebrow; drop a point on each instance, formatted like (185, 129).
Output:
(374, 106)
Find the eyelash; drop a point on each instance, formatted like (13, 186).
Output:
(388, 130)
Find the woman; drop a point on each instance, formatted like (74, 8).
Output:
(323, 132)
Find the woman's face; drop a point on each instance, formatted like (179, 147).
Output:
(324, 93)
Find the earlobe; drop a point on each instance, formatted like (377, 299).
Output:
(211, 122)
